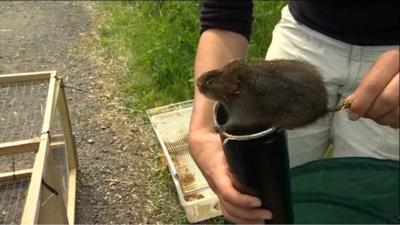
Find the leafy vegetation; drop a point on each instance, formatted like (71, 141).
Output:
(157, 41)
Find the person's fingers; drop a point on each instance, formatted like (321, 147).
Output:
(387, 100)
(391, 118)
(246, 214)
(226, 191)
(235, 220)
(374, 82)
(350, 114)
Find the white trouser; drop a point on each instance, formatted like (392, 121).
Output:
(342, 66)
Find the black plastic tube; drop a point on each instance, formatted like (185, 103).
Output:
(260, 163)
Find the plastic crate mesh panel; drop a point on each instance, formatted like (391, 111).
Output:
(171, 124)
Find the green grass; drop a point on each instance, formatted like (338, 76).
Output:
(157, 41)
(266, 15)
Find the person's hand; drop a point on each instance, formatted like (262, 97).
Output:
(206, 149)
(377, 96)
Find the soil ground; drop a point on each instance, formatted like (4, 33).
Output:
(118, 153)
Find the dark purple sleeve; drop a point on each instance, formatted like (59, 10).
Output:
(235, 16)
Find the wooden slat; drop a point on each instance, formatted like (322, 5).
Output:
(20, 77)
(16, 174)
(29, 145)
(72, 156)
(66, 124)
(17, 147)
(56, 137)
(71, 196)
(32, 204)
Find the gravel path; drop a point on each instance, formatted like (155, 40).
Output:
(117, 153)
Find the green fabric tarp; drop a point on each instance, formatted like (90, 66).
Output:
(346, 190)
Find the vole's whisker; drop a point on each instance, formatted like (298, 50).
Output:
(336, 108)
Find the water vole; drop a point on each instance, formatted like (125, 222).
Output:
(260, 94)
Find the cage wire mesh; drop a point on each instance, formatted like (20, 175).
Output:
(12, 200)
(171, 123)
(16, 162)
(22, 109)
(22, 106)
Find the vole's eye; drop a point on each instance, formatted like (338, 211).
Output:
(210, 80)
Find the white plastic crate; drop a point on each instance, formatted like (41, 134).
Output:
(171, 125)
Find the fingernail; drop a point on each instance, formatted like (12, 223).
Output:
(353, 116)
(266, 217)
(350, 97)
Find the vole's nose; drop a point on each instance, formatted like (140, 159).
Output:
(199, 83)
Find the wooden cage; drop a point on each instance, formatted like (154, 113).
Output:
(38, 158)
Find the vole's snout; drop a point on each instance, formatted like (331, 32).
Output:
(198, 83)
(206, 81)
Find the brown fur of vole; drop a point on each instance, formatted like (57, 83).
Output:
(260, 94)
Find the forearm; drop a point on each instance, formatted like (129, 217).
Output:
(215, 49)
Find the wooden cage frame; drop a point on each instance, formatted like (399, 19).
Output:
(43, 176)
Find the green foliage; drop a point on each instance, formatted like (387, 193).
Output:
(157, 41)
(266, 15)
